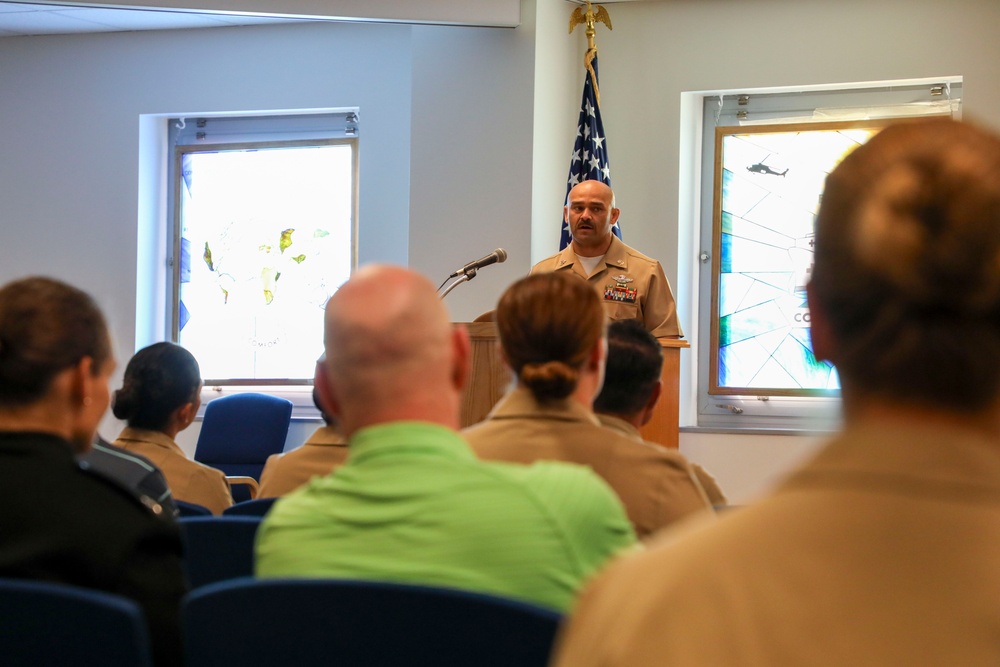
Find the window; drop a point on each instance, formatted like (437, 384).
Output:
(264, 232)
(765, 157)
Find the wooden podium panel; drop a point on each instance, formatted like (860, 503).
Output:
(490, 378)
(662, 428)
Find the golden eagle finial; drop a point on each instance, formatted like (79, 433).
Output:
(590, 18)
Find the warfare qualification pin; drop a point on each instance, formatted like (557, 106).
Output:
(620, 291)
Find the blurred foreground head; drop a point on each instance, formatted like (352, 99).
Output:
(55, 358)
(905, 290)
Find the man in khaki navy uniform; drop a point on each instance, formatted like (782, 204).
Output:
(324, 451)
(631, 285)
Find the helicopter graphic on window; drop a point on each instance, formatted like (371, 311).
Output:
(761, 168)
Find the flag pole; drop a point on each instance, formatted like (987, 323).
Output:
(589, 160)
(590, 19)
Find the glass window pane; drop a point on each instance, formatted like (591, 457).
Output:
(771, 182)
(266, 238)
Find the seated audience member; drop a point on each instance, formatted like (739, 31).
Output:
(551, 328)
(159, 398)
(59, 521)
(883, 549)
(632, 387)
(324, 452)
(412, 504)
(134, 471)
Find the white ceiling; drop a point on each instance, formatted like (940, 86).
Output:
(26, 19)
(18, 18)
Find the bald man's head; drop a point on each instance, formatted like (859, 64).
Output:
(590, 212)
(391, 350)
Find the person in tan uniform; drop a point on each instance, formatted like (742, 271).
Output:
(631, 285)
(324, 451)
(159, 398)
(632, 387)
(883, 549)
(551, 329)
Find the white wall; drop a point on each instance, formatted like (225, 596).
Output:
(558, 87)
(70, 144)
(69, 136)
(470, 189)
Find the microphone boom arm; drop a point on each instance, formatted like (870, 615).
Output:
(465, 277)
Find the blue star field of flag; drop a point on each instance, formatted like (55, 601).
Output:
(589, 161)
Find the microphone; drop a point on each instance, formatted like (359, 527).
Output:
(496, 257)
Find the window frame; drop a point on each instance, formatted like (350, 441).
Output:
(751, 411)
(243, 132)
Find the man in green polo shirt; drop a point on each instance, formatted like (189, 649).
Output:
(413, 504)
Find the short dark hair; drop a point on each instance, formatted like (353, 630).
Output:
(635, 361)
(46, 326)
(327, 419)
(158, 380)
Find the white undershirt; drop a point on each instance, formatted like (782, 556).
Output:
(590, 263)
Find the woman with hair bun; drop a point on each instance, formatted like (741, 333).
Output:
(552, 336)
(60, 521)
(159, 398)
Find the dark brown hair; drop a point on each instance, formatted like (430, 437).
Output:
(907, 266)
(548, 324)
(158, 380)
(46, 326)
(634, 364)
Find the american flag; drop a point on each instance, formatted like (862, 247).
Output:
(589, 161)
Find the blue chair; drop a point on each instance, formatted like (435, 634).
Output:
(258, 507)
(47, 623)
(240, 431)
(291, 622)
(217, 548)
(185, 508)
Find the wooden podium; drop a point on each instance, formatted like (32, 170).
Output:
(662, 428)
(490, 378)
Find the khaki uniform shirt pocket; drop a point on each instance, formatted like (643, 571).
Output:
(618, 310)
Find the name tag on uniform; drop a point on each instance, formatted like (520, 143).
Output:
(619, 290)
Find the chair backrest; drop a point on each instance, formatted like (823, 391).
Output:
(358, 623)
(46, 623)
(258, 507)
(240, 431)
(217, 548)
(185, 508)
